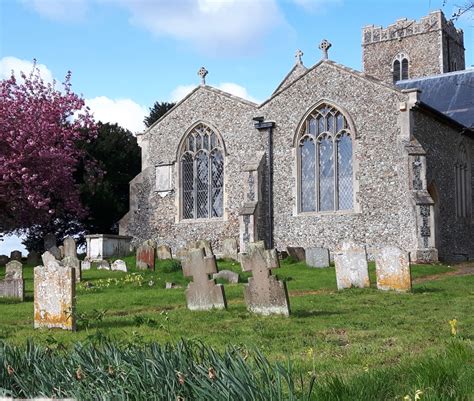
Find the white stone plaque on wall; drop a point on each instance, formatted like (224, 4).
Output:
(163, 179)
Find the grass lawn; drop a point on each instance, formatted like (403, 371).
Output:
(330, 332)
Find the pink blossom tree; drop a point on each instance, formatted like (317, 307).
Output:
(40, 127)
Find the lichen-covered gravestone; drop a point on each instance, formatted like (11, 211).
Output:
(202, 244)
(351, 266)
(230, 248)
(264, 294)
(69, 245)
(13, 285)
(228, 275)
(103, 265)
(317, 257)
(85, 265)
(56, 252)
(72, 261)
(54, 299)
(164, 252)
(202, 293)
(16, 255)
(392, 267)
(145, 258)
(119, 265)
(297, 253)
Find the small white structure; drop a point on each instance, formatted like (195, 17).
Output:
(101, 246)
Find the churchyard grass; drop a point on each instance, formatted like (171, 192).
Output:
(351, 340)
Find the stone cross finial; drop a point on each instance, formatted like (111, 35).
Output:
(264, 294)
(202, 293)
(298, 56)
(202, 73)
(325, 45)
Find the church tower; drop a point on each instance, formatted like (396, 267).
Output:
(412, 49)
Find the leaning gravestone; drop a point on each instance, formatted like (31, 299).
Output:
(145, 258)
(56, 252)
(351, 266)
(54, 299)
(15, 255)
(163, 252)
(49, 241)
(119, 265)
(69, 245)
(230, 249)
(228, 275)
(72, 261)
(264, 294)
(202, 244)
(297, 253)
(317, 257)
(392, 268)
(33, 258)
(4, 259)
(202, 293)
(103, 265)
(13, 285)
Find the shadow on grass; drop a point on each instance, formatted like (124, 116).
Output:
(313, 313)
(423, 290)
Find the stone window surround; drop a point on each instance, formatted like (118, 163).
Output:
(400, 57)
(462, 150)
(177, 174)
(297, 163)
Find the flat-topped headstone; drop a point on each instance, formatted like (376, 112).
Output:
(230, 249)
(351, 266)
(228, 275)
(13, 285)
(163, 252)
(296, 252)
(103, 265)
(317, 257)
(202, 293)
(16, 255)
(56, 252)
(54, 299)
(4, 259)
(145, 257)
(49, 241)
(33, 258)
(264, 294)
(85, 265)
(119, 265)
(72, 261)
(392, 268)
(70, 248)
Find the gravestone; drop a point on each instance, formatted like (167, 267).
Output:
(181, 253)
(296, 252)
(15, 255)
(119, 265)
(85, 265)
(56, 252)
(61, 251)
(49, 241)
(230, 249)
(4, 259)
(351, 266)
(33, 258)
(164, 252)
(69, 245)
(228, 275)
(54, 299)
(47, 257)
(72, 261)
(201, 244)
(392, 268)
(13, 285)
(103, 265)
(202, 293)
(317, 257)
(145, 258)
(264, 294)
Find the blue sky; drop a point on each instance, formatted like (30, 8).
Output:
(127, 54)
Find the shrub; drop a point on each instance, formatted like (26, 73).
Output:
(170, 265)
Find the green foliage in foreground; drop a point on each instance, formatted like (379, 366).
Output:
(194, 371)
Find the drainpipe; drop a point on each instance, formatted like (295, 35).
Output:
(261, 124)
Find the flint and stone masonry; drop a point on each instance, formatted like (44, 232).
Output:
(400, 193)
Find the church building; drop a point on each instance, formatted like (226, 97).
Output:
(381, 157)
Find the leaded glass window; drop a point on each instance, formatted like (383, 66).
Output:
(462, 183)
(400, 67)
(325, 161)
(202, 174)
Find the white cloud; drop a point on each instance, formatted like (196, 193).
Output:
(181, 91)
(9, 64)
(59, 10)
(213, 26)
(124, 112)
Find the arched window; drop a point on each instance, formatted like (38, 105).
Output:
(325, 161)
(400, 66)
(462, 183)
(202, 174)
